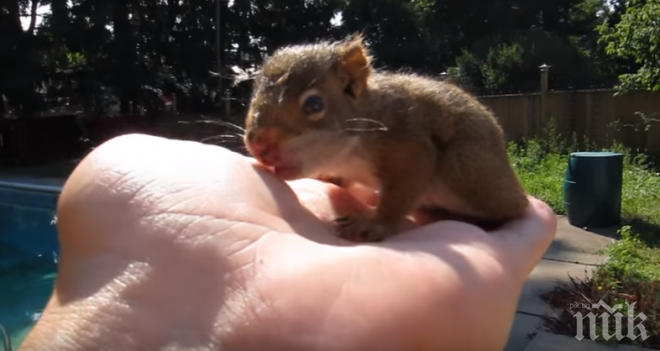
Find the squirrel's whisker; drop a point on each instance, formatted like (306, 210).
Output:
(378, 125)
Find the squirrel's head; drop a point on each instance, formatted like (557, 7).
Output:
(301, 99)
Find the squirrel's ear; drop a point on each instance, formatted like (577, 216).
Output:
(354, 64)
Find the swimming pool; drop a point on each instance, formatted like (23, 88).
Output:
(28, 251)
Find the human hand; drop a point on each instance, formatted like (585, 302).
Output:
(172, 245)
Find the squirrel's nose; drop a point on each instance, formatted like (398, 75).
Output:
(262, 147)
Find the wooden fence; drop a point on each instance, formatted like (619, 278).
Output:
(597, 115)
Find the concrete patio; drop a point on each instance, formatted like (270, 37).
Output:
(573, 253)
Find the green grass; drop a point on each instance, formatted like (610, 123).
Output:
(542, 173)
(541, 166)
(632, 272)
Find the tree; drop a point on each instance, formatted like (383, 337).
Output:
(510, 63)
(459, 24)
(636, 36)
(124, 55)
(393, 30)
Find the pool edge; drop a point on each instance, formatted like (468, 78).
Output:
(19, 185)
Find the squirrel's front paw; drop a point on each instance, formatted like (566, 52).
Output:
(360, 229)
(331, 179)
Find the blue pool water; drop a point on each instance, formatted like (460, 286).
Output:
(28, 251)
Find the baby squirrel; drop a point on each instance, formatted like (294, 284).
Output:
(322, 111)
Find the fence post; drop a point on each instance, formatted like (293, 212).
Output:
(544, 96)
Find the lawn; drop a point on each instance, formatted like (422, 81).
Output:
(632, 273)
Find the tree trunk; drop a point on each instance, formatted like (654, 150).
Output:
(33, 16)
(125, 59)
(60, 17)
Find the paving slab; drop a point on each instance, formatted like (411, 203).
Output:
(544, 341)
(573, 244)
(545, 277)
(522, 332)
(573, 253)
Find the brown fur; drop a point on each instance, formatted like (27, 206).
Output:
(423, 143)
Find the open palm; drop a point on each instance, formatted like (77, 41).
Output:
(172, 245)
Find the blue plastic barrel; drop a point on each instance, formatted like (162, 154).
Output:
(592, 189)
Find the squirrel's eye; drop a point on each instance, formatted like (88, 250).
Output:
(313, 104)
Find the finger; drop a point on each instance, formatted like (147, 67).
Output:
(531, 234)
(526, 240)
(538, 217)
(516, 247)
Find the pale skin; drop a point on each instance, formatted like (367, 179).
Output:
(171, 245)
